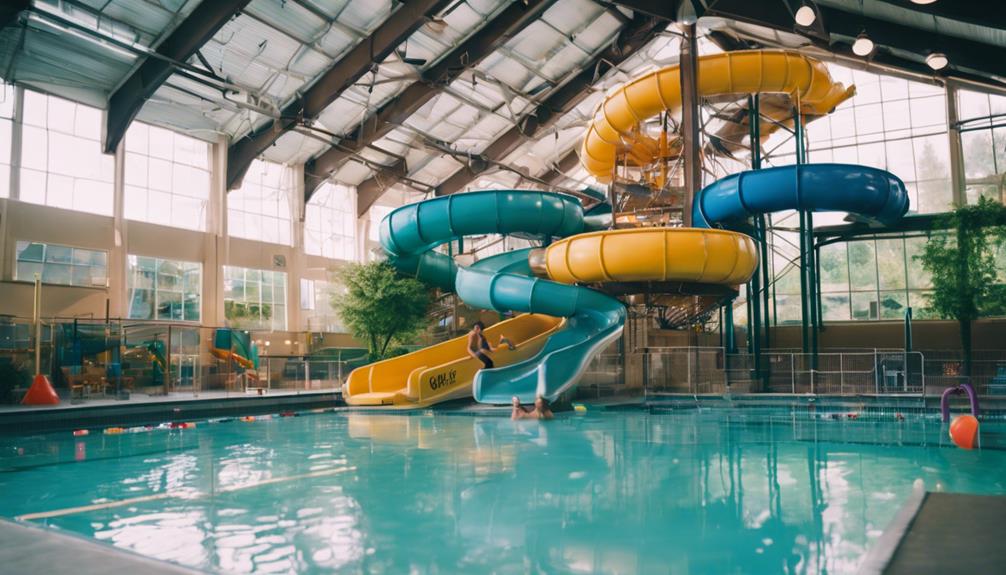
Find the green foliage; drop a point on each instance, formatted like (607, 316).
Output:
(961, 256)
(380, 307)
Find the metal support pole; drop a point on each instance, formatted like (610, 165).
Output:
(766, 279)
(812, 281)
(37, 322)
(167, 363)
(728, 318)
(805, 319)
(756, 286)
(688, 71)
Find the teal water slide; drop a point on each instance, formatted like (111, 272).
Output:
(504, 282)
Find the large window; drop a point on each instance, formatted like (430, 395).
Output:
(163, 289)
(167, 177)
(874, 279)
(6, 135)
(891, 123)
(61, 160)
(330, 222)
(983, 143)
(316, 297)
(62, 265)
(254, 299)
(260, 209)
(377, 215)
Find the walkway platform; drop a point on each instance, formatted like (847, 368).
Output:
(31, 549)
(941, 533)
(158, 409)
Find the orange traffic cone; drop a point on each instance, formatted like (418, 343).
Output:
(40, 392)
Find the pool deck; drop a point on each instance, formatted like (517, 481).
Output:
(159, 409)
(31, 549)
(941, 533)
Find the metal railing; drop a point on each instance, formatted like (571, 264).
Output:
(94, 360)
(849, 372)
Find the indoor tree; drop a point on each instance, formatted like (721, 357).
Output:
(381, 307)
(961, 256)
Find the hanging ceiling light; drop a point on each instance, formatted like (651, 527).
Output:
(805, 15)
(937, 60)
(863, 45)
(923, 2)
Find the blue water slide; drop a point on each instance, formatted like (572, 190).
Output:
(504, 282)
(871, 193)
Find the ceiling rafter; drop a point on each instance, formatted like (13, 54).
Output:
(326, 89)
(185, 40)
(493, 34)
(633, 37)
(10, 10)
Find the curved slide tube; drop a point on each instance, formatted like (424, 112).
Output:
(614, 128)
(505, 283)
(872, 193)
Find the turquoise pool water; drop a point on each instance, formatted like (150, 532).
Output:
(710, 491)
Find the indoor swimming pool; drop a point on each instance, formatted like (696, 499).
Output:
(635, 491)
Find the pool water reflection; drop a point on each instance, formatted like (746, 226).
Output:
(614, 492)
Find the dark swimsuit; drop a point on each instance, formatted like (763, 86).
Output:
(486, 361)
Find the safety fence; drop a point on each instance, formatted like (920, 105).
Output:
(710, 370)
(89, 361)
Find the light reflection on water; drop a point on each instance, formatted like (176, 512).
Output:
(627, 492)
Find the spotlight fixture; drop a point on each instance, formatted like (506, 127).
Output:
(805, 15)
(863, 45)
(937, 60)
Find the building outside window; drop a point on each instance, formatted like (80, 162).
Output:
(61, 265)
(167, 177)
(161, 289)
(260, 209)
(254, 299)
(61, 160)
(330, 222)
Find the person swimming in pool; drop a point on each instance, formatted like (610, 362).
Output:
(479, 347)
(541, 410)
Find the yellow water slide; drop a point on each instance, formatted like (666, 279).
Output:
(615, 128)
(444, 371)
(653, 255)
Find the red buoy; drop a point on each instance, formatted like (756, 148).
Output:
(40, 392)
(964, 431)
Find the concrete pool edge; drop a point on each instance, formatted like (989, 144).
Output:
(936, 533)
(883, 550)
(31, 548)
(42, 420)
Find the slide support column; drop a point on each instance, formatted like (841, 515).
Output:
(688, 77)
(804, 308)
(755, 285)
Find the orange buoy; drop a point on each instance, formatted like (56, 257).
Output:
(964, 431)
(40, 392)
